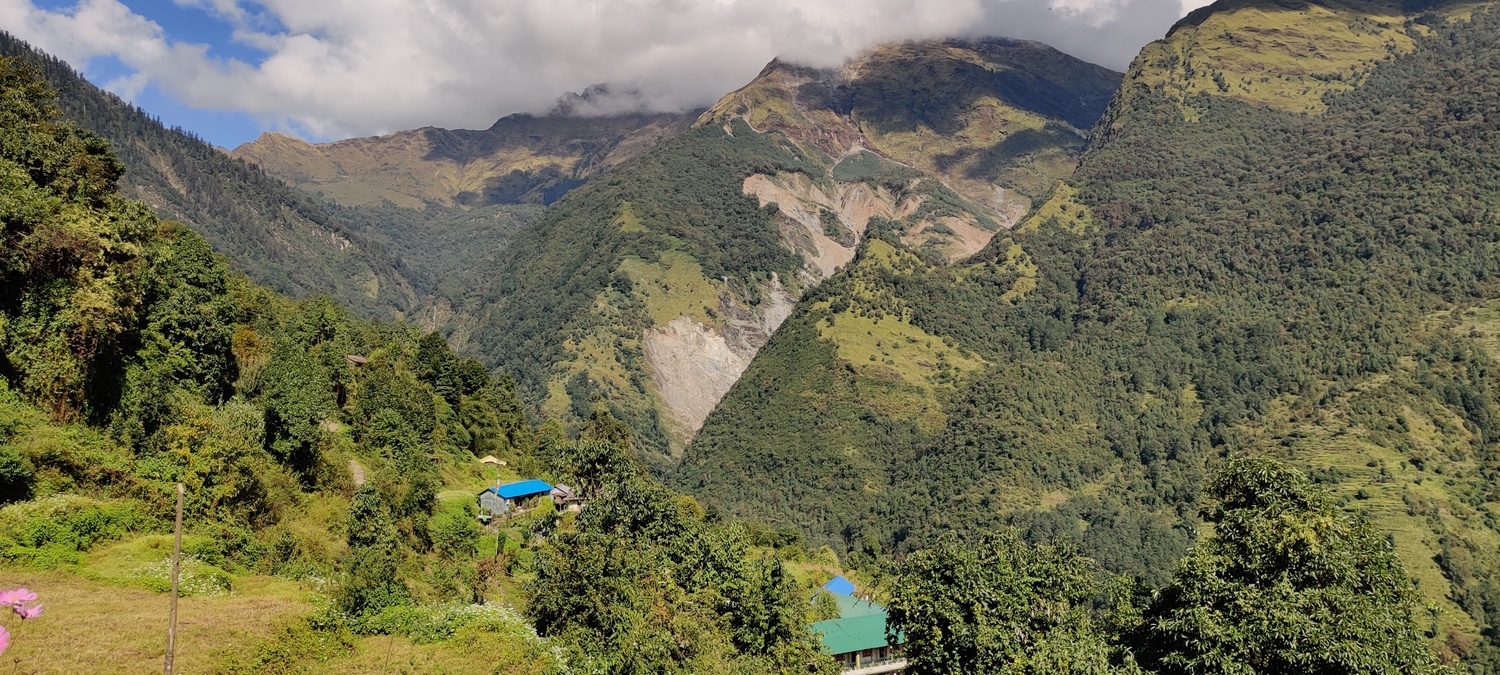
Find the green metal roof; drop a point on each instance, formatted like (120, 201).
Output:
(850, 607)
(852, 634)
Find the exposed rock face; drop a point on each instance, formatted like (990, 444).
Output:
(694, 364)
(802, 204)
(693, 367)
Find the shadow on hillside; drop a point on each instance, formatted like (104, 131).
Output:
(900, 94)
(995, 159)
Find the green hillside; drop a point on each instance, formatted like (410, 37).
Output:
(331, 463)
(519, 159)
(279, 236)
(330, 467)
(1226, 274)
(647, 291)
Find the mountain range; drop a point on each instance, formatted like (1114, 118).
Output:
(959, 285)
(1280, 241)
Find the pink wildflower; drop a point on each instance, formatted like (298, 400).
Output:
(29, 612)
(17, 597)
(4, 639)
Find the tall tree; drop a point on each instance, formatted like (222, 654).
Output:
(998, 605)
(1286, 583)
(370, 578)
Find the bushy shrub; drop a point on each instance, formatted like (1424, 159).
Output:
(196, 577)
(16, 476)
(55, 531)
(315, 639)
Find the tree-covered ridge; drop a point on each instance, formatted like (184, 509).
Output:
(320, 453)
(1238, 279)
(276, 234)
(648, 291)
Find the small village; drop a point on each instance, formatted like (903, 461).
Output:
(856, 638)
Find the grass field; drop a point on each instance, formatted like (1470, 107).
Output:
(1283, 58)
(97, 626)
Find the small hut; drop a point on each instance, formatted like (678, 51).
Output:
(503, 499)
(566, 498)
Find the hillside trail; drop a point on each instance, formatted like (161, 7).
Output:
(359, 473)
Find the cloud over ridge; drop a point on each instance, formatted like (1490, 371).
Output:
(337, 68)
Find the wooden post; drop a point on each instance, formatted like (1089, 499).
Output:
(176, 576)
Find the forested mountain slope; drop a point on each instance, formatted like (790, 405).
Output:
(276, 234)
(448, 199)
(1255, 257)
(648, 290)
(327, 467)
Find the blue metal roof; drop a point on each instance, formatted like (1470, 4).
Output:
(525, 488)
(839, 586)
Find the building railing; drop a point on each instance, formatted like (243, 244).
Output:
(890, 664)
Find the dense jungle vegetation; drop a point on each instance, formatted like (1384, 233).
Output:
(1217, 279)
(276, 234)
(320, 448)
(343, 454)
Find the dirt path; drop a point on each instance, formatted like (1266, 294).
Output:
(359, 473)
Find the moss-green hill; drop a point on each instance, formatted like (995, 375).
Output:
(276, 234)
(1226, 274)
(649, 290)
(520, 159)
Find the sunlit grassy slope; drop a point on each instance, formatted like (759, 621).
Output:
(96, 626)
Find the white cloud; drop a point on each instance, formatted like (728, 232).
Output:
(1190, 5)
(128, 86)
(335, 68)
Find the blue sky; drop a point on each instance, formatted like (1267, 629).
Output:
(192, 24)
(228, 70)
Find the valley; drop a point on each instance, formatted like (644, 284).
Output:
(1199, 358)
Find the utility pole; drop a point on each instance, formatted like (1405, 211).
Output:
(176, 576)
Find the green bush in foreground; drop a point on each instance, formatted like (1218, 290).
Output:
(1287, 583)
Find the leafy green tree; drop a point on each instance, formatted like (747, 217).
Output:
(454, 535)
(645, 584)
(767, 616)
(219, 465)
(70, 254)
(371, 580)
(1285, 583)
(297, 399)
(436, 365)
(410, 481)
(593, 465)
(602, 426)
(186, 339)
(998, 605)
(496, 422)
(825, 606)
